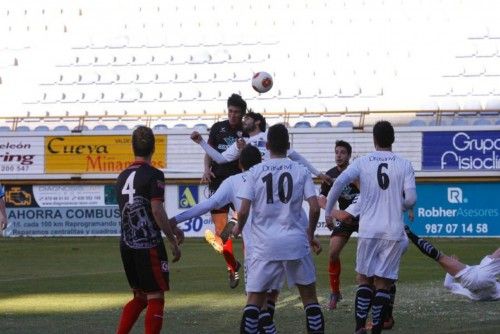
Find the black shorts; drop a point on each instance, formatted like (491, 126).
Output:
(212, 187)
(344, 229)
(146, 269)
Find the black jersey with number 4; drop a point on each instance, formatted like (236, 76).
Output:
(348, 194)
(222, 135)
(136, 187)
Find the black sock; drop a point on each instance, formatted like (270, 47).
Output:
(314, 319)
(390, 307)
(250, 320)
(270, 308)
(425, 246)
(266, 323)
(379, 308)
(362, 304)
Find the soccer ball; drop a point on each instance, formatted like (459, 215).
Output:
(262, 82)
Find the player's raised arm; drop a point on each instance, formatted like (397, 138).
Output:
(212, 152)
(219, 199)
(295, 156)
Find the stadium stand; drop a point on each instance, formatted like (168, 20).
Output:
(155, 53)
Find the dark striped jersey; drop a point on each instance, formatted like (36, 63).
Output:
(348, 194)
(136, 187)
(222, 135)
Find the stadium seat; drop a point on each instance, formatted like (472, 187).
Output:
(345, 124)
(4, 128)
(159, 127)
(482, 121)
(180, 125)
(417, 122)
(491, 108)
(22, 128)
(497, 122)
(302, 124)
(435, 123)
(120, 127)
(80, 128)
(200, 127)
(42, 128)
(323, 124)
(459, 121)
(61, 128)
(100, 127)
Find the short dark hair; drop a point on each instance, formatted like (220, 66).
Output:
(344, 144)
(237, 101)
(383, 134)
(143, 141)
(278, 139)
(250, 156)
(257, 117)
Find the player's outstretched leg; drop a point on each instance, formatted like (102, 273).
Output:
(363, 301)
(232, 264)
(379, 308)
(423, 245)
(250, 320)
(214, 241)
(131, 312)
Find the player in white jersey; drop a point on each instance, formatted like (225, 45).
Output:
(477, 282)
(225, 194)
(273, 193)
(382, 241)
(255, 125)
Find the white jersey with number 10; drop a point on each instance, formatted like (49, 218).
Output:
(277, 188)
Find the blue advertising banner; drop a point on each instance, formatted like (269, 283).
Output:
(457, 210)
(461, 150)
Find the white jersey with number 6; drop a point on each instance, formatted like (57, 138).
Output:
(383, 177)
(277, 188)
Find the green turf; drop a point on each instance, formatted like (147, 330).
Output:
(75, 285)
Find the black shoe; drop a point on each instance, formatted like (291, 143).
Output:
(234, 276)
(228, 230)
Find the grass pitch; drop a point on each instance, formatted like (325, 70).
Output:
(77, 285)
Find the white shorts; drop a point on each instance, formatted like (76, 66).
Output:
(262, 275)
(474, 279)
(380, 257)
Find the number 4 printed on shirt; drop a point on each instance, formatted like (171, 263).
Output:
(128, 188)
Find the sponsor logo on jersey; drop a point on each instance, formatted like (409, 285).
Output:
(188, 196)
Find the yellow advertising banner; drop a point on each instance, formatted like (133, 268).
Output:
(96, 154)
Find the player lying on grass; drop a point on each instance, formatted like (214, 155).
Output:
(281, 233)
(350, 217)
(254, 124)
(226, 193)
(477, 282)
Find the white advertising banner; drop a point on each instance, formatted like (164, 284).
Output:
(182, 197)
(21, 155)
